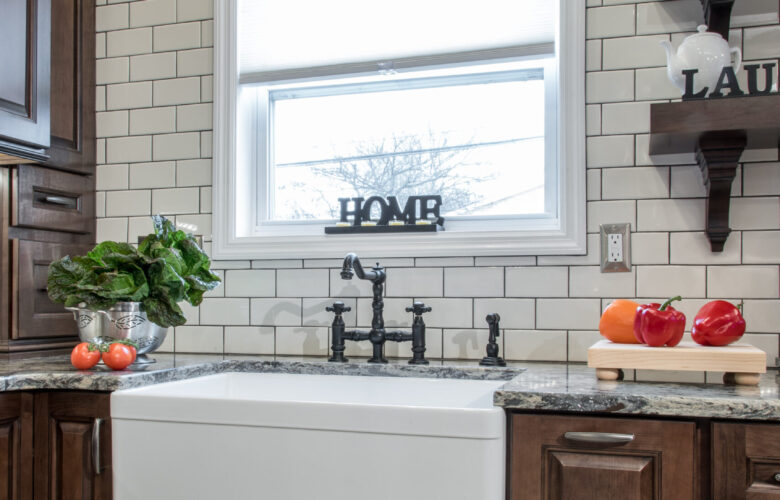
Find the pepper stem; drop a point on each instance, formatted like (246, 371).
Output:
(666, 304)
(739, 307)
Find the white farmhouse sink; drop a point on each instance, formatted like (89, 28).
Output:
(285, 436)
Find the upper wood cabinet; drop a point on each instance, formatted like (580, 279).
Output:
(73, 86)
(25, 38)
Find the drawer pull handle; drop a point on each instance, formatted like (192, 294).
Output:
(599, 437)
(59, 200)
(96, 445)
(776, 477)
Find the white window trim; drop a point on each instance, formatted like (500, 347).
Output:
(568, 239)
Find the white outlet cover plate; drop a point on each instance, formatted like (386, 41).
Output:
(608, 250)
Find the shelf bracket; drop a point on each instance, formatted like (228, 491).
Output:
(717, 154)
(717, 15)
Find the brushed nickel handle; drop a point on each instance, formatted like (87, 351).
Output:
(58, 200)
(96, 445)
(599, 437)
(776, 477)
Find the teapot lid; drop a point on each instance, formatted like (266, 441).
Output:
(702, 31)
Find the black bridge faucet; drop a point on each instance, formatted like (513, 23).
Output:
(377, 335)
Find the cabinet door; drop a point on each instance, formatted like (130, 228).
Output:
(72, 446)
(73, 92)
(745, 461)
(657, 463)
(16, 456)
(24, 79)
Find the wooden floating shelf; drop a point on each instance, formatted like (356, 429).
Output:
(717, 131)
(742, 363)
(409, 228)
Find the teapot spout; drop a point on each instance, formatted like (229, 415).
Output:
(673, 67)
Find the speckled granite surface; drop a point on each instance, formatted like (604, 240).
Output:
(554, 387)
(574, 388)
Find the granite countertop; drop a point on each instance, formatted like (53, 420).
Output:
(557, 387)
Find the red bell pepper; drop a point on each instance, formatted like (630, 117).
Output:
(718, 323)
(659, 324)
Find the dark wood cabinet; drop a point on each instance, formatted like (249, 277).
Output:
(746, 461)
(16, 459)
(575, 457)
(25, 38)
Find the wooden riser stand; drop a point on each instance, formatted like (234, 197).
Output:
(743, 364)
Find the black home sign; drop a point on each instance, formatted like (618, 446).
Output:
(416, 208)
(728, 80)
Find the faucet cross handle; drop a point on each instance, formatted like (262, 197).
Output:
(338, 308)
(418, 308)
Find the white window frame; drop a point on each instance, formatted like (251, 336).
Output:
(233, 236)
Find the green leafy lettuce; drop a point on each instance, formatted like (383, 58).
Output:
(166, 268)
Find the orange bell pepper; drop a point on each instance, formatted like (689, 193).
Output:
(617, 322)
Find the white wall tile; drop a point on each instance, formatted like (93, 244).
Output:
(302, 341)
(100, 98)
(114, 70)
(193, 173)
(191, 313)
(275, 312)
(176, 146)
(670, 215)
(199, 339)
(762, 43)
(604, 22)
(111, 229)
(761, 179)
(129, 95)
(610, 151)
(762, 316)
(443, 261)
(670, 281)
(633, 52)
(563, 314)
(195, 62)
(514, 313)
(206, 88)
(127, 203)
(349, 288)
(314, 313)
(111, 124)
(129, 149)
(587, 281)
(158, 120)
(750, 282)
(625, 118)
(139, 226)
(591, 258)
(100, 153)
(609, 86)
(152, 175)
(190, 10)
(635, 183)
(579, 341)
(129, 42)
(302, 283)
(474, 282)
(593, 119)
(668, 17)
(220, 290)
(755, 213)
(593, 183)
(504, 261)
(537, 281)
(448, 313)
(694, 248)
(206, 144)
(654, 84)
(610, 212)
(249, 340)
(219, 311)
(643, 155)
(199, 225)
(111, 177)
(464, 344)
(175, 201)
(111, 17)
(535, 345)
(250, 283)
(593, 55)
(205, 200)
(176, 36)
(153, 66)
(177, 91)
(152, 12)
(760, 247)
(649, 248)
(193, 117)
(207, 33)
(100, 204)
(414, 282)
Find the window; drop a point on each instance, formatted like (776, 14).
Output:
(484, 108)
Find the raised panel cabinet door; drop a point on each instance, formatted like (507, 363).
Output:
(745, 461)
(24, 79)
(72, 446)
(16, 446)
(73, 86)
(584, 458)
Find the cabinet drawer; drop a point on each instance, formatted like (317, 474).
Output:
(37, 316)
(556, 457)
(746, 461)
(50, 199)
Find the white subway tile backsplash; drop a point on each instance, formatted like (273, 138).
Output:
(634, 183)
(610, 151)
(444, 261)
(514, 313)
(348, 288)
(649, 248)
(224, 311)
(111, 17)
(544, 281)
(464, 344)
(250, 283)
(129, 42)
(587, 281)
(275, 312)
(175, 201)
(694, 248)
(153, 66)
(302, 283)
(140, 227)
(100, 204)
(761, 179)
(654, 84)
(415, 282)
(762, 316)
(609, 86)
(206, 88)
(114, 70)
(762, 43)
(535, 345)
(593, 55)
(111, 229)
(749, 282)
(195, 62)
(152, 175)
(474, 282)
(176, 36)
(299, 341)
(314, 313)
(610, 212)
(755, 213)
(669, 281)
(760, 247)
(448, 313)
(504, 261)
(100, 151)
(129, 149)
(593, 119)
(206, 143)
(111, 177)
(676, 376)
(668, 17)
(158, 120)
(199, 339)
(193, 172)
(205, 200)
(593, 184)
(100, 98)
(129, 95)
(191, 10)
(578, 343)
(625, 118)
(152, 12)
(207, 33)
(249, 340)
(111, 124)
(177, 91)
(604, 22)
(670, 215)
(564, 314)
(633, 52)
(193, 117)
(127, 203)
(179, 146)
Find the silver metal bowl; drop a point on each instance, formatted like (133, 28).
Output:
(125, 320)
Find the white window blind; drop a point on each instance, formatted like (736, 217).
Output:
(289, 39)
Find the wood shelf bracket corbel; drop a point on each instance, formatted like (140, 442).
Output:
(717, 154)
(717, 16)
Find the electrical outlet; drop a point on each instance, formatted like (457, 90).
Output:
(615, 248)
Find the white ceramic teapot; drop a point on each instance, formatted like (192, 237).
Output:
(704, 51)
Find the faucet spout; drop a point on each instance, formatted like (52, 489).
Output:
(352, 262)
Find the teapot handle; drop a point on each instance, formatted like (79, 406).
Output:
(737, 58)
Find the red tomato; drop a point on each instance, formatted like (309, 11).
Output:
(82, 358)
(119, 356)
